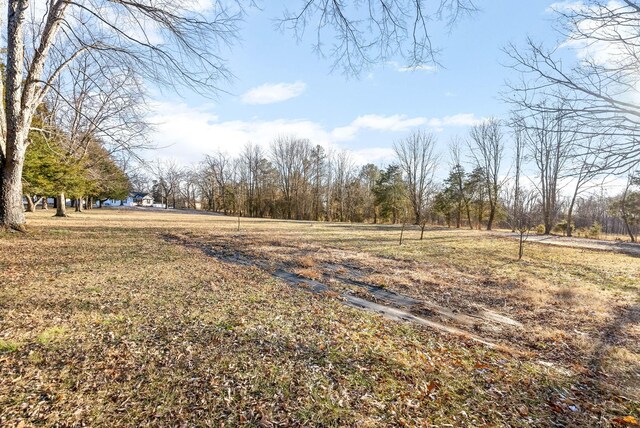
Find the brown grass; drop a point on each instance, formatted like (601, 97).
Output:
(306, 261)
(103, 322)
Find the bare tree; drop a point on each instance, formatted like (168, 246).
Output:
(188, 188)
(172, 42)
(343, 169)
(458, 181)
(289, 157)
(524, 217)
(487, 149)
(549, 138)
(252, 157)
(219, 170)
(168, 175)
(600, 88)
(418, 162)
(318, 179)
(517, 127)
(628, 206)
(583, 169)
(206, 185)
(372, 31)
(88, 106)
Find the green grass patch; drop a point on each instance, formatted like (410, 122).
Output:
(52, 334)
(7, 346)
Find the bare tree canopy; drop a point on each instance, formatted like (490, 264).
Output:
(418, 162)
(371, 31)
(600, 88)
(550, 138)
(487, 149)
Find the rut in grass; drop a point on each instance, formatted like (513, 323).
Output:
(376, 299)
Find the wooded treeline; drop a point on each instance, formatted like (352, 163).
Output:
(484, 185)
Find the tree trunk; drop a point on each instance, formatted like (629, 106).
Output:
(569, 218)
(14, 124)
(492, 214)
(61, 205)
(31, 207)
(628, 227)
(11, 208)
(45, 203)
(79, 205)
(521, 247)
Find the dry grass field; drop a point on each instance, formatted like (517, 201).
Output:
(143, 318)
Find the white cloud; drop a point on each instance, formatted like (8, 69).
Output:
(401, 123)
(428, 68)
(463, 119)
(395, 122)
(201, 5)
(603, 46)
(375, 155)
(565, 6)
(188, 133)
(604, 42)
(404, 69)
(376, 122)
(270, 93)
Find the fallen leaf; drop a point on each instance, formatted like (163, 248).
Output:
(627, 420)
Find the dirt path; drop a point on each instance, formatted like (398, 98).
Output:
(588, 244)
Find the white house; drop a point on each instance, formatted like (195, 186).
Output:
(134, 199)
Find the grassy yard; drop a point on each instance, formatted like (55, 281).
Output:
(133, 318)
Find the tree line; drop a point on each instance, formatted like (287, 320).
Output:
(74, 75)
(484, 185)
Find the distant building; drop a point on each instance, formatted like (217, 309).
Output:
(141, 199)
(134, 199)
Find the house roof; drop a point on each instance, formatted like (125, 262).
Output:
(139, 195)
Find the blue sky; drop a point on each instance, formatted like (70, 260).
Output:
(282, 87)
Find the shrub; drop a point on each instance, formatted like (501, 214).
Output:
(595, 230)
(540, 229)
(582, 232)
(561, 227)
